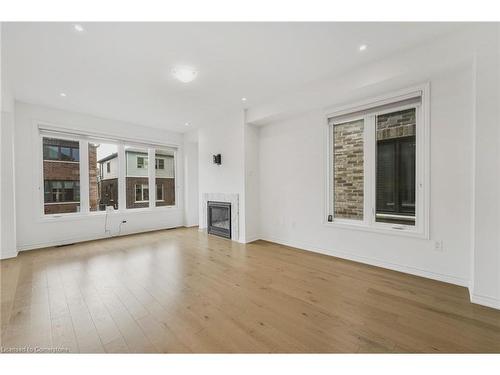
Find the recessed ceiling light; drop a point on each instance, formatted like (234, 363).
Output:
(243, 99)
(78, 27)
(184, 73)
(63, 94)
(186, 124)
(363, 47)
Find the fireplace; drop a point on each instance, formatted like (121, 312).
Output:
(219, 218)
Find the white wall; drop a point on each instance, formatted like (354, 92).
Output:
(485, 285)
(252, 187)
(33, 231)
(7, 183)
(292, 190)
(225, 137)
(191, 178)
(465, 141)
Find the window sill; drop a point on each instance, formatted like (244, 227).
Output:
(74, 216)
(378, 229)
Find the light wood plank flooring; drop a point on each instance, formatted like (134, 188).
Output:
(183, 291)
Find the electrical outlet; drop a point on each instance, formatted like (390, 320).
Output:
(438, 245)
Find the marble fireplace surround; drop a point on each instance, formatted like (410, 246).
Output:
(235, 210)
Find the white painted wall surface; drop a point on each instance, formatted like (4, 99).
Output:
(225, 137)
(35, 231)
(252, 187)
(191, 180)
(485, 283)
(113, 169)
(292, 190)
(7, 182)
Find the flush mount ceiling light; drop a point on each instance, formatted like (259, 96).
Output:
(63, 94)
(186, 124)
(79, 28)
(184, 73)
(243, 99)
(363, 47)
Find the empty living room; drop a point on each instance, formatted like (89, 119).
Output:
(226, 185)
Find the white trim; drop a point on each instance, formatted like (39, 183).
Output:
(377, 101)
(60, 161)
(422, 189)
(10, 254)
(57, 203)
(372, 261)
(485, 301)
(70, 240)
(61, 129)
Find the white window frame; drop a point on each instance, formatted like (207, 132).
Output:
(143, 186)
(422, 188)
(45, 129)
(157, 163)
(162, 193)
(142, 166)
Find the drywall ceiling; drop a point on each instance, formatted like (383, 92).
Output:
(122, 70)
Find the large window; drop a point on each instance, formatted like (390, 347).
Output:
(396, 172)
(165, 178)
(103, 175)
(377, 166)
(137, 177)
(61, 175)
(118, 175)
(348, 169)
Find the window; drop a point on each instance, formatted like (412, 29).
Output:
(62, 191)
(103, 179)
(348, 169)
(61, 175)
(165, 178)
(140, 162)
(141, 193)
(396, 162)
(160, 163)
(377, 166)
(61, 150)
(117, 176)
(137, 177)
(159, 192)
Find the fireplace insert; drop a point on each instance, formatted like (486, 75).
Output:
(219, 218)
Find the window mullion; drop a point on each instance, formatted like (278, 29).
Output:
(84, 177)
(122, 190)
(152, 176)
(369, 170)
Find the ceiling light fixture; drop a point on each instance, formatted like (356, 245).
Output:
(184, 73)
(186, 124)
(63, 94)
(363, 47)
(243, 99)
(78, 28)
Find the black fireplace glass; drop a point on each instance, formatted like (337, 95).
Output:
(219, 218)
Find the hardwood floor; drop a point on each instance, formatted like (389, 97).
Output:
(183, 291)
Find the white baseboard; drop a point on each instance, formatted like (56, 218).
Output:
(8, 255)
(70, 240)
(485, 301)
(374, 262)
(251, 239)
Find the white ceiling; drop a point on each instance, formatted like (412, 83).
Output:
(122, 70)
